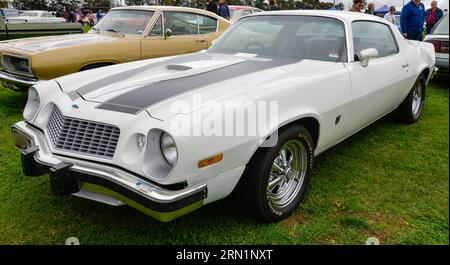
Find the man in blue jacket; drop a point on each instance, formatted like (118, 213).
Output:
(411, 20)
(432, 16)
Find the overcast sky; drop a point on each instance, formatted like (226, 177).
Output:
(379, 3)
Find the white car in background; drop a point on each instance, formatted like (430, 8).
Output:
(108, 134)
(439, 38)
(237, 12)
(38, 16)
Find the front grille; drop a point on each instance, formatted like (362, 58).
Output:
(82, 136)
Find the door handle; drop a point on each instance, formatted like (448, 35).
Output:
(201, 41)
(405, 65)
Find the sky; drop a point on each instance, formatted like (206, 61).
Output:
(443, 4)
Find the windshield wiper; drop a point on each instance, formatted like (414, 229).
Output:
(115, 31)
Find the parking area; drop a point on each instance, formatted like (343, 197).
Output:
(389, 181)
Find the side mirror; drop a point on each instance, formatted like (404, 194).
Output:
(367, 54)
(167, 33)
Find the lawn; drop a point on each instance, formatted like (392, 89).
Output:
(389, 181)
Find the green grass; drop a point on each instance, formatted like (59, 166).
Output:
(389, 181)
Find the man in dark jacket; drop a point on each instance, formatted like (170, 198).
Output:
(432, 16)
(212, 6)
(273, 5)
(223, 11)
(411, 20)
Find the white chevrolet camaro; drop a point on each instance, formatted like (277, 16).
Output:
(247, 116)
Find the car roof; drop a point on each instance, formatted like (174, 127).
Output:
(342, 15)
(166, 8)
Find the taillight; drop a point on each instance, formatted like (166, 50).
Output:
(437, 45)
(444, 47)
(440, 46)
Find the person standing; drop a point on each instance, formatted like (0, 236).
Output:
(371, 9)
(79, 16)
(273, 5)
(71, 16)
(411, 20)
(390, 16)
(98, 15)
(432, 16)
(223, 10)
(90, 18)
(212, 6)
(358, 6)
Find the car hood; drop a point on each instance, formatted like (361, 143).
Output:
(152, 85)
(40, 44)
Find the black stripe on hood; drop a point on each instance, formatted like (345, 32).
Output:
(141, 98)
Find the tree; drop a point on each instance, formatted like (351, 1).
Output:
(30, 4)
(98, 3)
(136, 2)
(60, 5)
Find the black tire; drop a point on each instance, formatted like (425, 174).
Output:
(409, 112)
(252, 190)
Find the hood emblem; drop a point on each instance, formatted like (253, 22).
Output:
(75, 106)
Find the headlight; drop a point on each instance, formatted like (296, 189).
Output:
(33, 104)
(17, 65)
(169, 149)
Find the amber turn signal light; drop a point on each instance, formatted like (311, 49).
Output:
(210, 160)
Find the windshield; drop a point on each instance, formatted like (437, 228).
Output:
(10, 12)
(302, 37)
(132, 22)
(29, 14)
(442, 27)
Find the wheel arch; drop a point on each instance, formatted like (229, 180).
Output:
(92, 65)
(310, 121)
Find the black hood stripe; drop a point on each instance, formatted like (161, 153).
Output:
(143, 97)
(84, 90)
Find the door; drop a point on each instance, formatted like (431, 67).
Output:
(207, 30)
(380, 86)
(184, 36)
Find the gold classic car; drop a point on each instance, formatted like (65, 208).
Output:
(125, 34)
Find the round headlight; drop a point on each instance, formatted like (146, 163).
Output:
(33, 104)
(169, 149)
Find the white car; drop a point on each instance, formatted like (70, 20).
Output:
(157, 134)
(236, 12)
(439, 38)
(38, 16)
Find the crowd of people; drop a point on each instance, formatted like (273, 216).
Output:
(78, 16)
(412, 17)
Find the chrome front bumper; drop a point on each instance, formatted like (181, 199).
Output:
(158, 201)
(16, 80)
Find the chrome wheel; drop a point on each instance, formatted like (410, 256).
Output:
(287, 174)
(417, 99)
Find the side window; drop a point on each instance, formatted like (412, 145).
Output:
(157, 29)
(206, 24)
(181, 23)
(376, 35)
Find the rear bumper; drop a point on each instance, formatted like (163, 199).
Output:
(16, 80)
(443, 65)
(100, 182)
